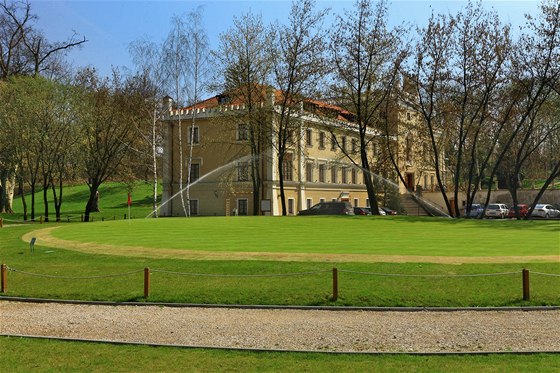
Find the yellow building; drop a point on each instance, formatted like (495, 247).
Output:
(317, 164)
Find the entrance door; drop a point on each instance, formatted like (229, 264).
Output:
(410, 182)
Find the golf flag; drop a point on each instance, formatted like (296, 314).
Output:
(129, 202)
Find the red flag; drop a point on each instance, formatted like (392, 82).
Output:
(129, 202)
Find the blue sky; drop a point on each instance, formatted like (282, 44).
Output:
(111, 25)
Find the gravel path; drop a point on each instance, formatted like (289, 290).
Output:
(280, 329)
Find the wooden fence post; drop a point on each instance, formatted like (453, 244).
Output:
(1, 223)
(4, 278)
(146, 282)
(334, 284)
(526, 292)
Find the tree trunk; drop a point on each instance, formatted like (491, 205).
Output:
(281, 181)
(45, 197)
(33, 201)
(368, 180)
(553, 175)
(23, 201)
(154, 164)
(93, 201)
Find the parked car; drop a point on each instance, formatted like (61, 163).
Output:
(329, 208)
(545, 211)
(388, 211)
(522, 208)
(496, 210)
(362, 211)
(381, 212)
(475, 212)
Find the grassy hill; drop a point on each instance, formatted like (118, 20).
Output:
(112, 202)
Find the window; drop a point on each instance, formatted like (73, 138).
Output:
(333, 142)
(425, 181)
(321, 200)
(322, 170)
(408, 148)
(356, 204)
(195, 172)
(309, 137)
(290, 136)
(193, 135)
(432, 182)
(354, 146)
(333, 199)
(321, 140)
(367, 202)
(242, 132)
(334, 174)
(354, 176)
(309, 172)
(193, 207)
(243, 171)
(309, 203)
(344, 175)
(408, 116)
(343, 143)
(287, 167)
(242, 206)
(290, 206)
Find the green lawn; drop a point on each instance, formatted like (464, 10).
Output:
(375, 235)
(354, 289)
(329, 235)
(24, 355)
(112, 202)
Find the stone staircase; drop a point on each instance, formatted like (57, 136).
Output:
(412, 207)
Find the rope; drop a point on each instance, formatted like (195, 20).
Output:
(545, 274)
(20, 221)
(217, 275)
(74, 278)
(442, 276)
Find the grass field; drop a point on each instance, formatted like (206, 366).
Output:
(112, 202)
(24, 355)
(282, 237)
(329, 235)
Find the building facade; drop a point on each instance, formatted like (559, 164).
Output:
(321, 162)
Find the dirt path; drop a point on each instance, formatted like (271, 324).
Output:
(45, 238)
(285, 329)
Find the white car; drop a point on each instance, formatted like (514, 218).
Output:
(496, 210)
(545, 211)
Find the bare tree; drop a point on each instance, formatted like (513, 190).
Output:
(148, 58)
(366, 56)
(298, 65)
(108, 114)
(185, 62)
(430, 75)
(244, 73)
(24, 51)
(198, 58)
(23, 48)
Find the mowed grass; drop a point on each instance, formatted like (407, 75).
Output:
(329, 235)
(355, 289)
(25, 354)
(112, 203)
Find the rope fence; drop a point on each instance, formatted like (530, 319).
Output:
(4, 269)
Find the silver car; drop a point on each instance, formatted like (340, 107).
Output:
(496, 210)
(545, 211)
